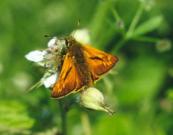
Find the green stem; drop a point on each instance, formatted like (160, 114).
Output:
(131, 29)
(146, 39)
(135, 21)
(118, 19)
(86, 124)
(63, 114)
(116, 15)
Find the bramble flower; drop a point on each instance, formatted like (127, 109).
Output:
(92, 98)
(47, 58)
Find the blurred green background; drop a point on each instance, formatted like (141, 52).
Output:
(139, 32)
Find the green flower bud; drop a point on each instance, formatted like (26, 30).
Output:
(94, 99)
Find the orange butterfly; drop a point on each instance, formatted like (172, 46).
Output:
(81, 66)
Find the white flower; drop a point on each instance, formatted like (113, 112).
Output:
(47, 58)
(36, 55)
(61, 45)
(94, 99)
(82, 36)
(52, 42)
(50, 81)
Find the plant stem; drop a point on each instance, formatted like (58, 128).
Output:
(116, 15)
(131, 29)
(86, 124)
(146, 39)
(135, 21)
(63, 114)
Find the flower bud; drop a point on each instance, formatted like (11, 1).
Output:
(94, 99)
(163, 45)
(148, 4)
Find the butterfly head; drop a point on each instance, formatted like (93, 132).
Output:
(70, 40)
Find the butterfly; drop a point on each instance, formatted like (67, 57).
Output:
(82, 65)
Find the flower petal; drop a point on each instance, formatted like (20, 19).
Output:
(52, 42)
(50, 81)
(35, 56)
(82, 36)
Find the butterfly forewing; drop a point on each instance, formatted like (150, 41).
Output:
(69, 79)
(98, 61)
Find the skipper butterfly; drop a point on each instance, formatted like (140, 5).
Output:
(81, 66)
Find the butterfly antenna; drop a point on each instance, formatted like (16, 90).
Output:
(77, 27)
(78, 23)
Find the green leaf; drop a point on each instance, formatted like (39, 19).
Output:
(148, 26)
(125, 124)
(14, 117)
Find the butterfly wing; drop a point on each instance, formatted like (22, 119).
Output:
(99, 62)
(69, 79)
